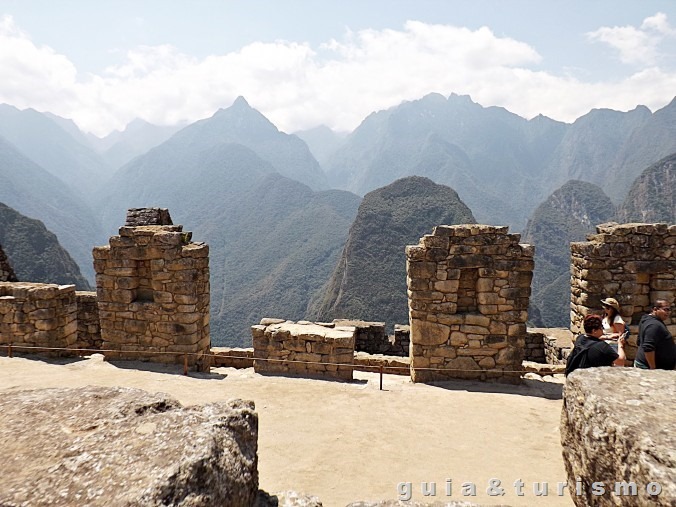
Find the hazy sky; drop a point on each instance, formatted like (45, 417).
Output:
(308, 62)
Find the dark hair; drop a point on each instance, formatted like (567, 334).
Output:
(613, 314)
(592, 322)
(656, 303)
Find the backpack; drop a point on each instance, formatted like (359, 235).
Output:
(578, 356)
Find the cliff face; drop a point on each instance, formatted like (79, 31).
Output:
(652, 196)
(34, 252)
(569, 214)
(369, 281)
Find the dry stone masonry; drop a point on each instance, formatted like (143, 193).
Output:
(88, 325)
(153, 294)
(148, 216)
(286, 347)
(371, 337)
(38, 315)
(634, 263)
(469, 288)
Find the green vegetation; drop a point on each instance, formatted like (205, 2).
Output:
(569, 214)
(34, 253)
(369, 281)
(652, 197)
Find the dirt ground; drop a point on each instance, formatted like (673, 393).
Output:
(349, 441)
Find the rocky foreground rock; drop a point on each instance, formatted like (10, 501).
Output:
(618, 429)
(121, 447)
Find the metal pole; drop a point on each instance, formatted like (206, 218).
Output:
(381, 377)
(185, 364)
(9, 350)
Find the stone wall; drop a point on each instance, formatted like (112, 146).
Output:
(618, 425)
(534, 349)
(232, 357)
(148, 216)
(153, 295)
(371, 338)
(38, 315)
(634, 263)
(469, 288)
(88, 324)
(6, 271)
(400, 342)
(285, 347)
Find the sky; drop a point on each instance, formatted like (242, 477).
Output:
(304, 63)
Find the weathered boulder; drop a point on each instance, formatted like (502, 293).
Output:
(100, 446)
(618, 425)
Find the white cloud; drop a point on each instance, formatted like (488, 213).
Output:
(637, 45)
(337, 83)
(31, 76)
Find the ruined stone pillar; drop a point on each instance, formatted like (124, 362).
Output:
(469, 288)
(152, 287)
(633, 263)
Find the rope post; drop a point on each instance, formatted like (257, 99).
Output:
(9, 350)
(185, 364)
(381, 377)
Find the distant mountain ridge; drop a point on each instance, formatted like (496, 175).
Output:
(34, 253)
(35, 193)
(501, 164)
(652, 196)
(369, 280)
(273, 240)
(136, 139)
(56, 147)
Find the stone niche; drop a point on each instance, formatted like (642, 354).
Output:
(634, 263)
(38, 315)
(303, 349)
(468, 294)
(152, 288)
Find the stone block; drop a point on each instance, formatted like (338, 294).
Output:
(611, 433)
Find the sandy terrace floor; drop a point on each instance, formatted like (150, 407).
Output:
(348, 441)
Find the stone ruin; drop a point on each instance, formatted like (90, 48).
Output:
(6, 271)
(469, 289)
(38, 317)
(371, 338)
(634, 263)
(300, 348)
(152, 287)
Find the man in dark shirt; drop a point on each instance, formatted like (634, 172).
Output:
(590, 351)
(656, 347)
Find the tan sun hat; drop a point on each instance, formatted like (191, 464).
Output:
(611, 302)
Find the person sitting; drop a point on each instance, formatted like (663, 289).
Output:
(613, 323)
(590, 351)
(656, 347)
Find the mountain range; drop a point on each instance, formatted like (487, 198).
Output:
(369, 279)
(277, 231)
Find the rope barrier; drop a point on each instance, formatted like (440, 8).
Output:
(12, 347)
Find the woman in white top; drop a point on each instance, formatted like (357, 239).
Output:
(613, 324)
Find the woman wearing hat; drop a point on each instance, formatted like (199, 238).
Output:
(613, 324)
